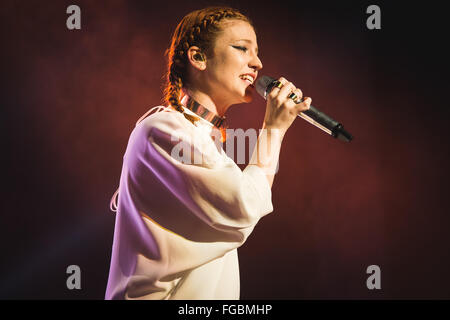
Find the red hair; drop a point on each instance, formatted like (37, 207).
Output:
(199, 28)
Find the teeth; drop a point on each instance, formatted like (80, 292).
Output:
(248, 78)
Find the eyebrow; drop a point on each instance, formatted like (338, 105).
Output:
(249, 41)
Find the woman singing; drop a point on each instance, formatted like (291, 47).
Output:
(184, 206)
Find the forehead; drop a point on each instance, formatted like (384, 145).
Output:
(233, 30)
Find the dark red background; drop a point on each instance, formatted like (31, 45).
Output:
(71, 98)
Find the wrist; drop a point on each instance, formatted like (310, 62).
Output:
(274, 132)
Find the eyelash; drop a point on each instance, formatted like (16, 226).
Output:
(241, 48)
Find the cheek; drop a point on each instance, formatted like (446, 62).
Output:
(234, 68)
(219, 70)
(227, 68)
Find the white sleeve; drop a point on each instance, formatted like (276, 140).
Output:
(215, 189)
(175, 216)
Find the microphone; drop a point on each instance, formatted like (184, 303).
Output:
(264, 85)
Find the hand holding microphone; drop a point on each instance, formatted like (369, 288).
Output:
(285, 102)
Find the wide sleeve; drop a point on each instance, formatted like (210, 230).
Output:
(182, 203)
(188, 163)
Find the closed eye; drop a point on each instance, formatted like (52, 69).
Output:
(241, 48)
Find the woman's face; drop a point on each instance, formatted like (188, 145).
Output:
(234, 64)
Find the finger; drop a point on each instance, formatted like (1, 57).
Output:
(296, 96)
(305, 105)
(285, 91)
(274, 92)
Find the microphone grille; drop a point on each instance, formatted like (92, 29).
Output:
(262, 84)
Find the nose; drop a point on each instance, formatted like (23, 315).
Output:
(255, 63)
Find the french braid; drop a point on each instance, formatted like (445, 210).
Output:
(198, 28)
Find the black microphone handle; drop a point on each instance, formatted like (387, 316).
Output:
(312, 115)
(321, 118)
(326, 123)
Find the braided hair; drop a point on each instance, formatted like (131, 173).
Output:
(198, 28)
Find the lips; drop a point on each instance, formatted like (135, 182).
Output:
(249, 77)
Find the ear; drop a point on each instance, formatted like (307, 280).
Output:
(196, 58)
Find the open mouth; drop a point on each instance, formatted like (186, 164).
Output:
(248, 78)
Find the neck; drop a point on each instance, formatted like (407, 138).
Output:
(206, 100)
